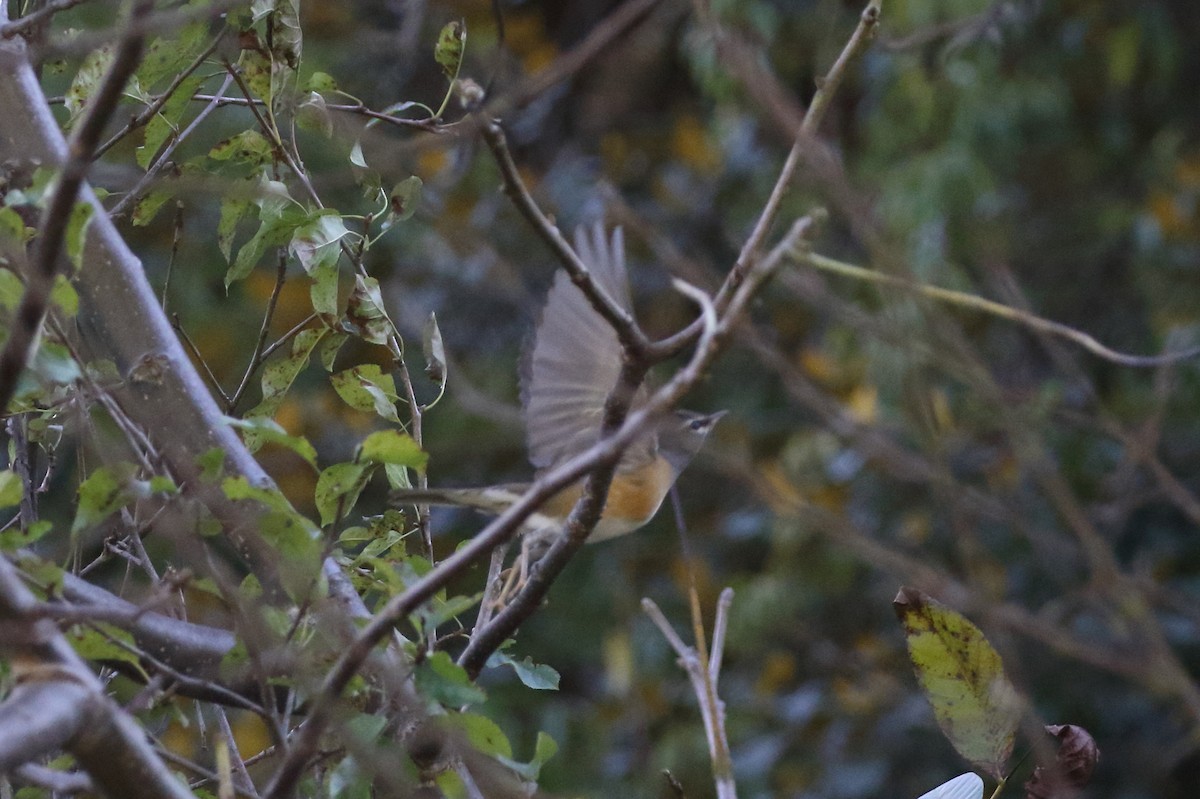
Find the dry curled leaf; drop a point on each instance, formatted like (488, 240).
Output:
(1072, 767)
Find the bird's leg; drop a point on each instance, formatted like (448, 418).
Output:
(533, 546)
(493, 591)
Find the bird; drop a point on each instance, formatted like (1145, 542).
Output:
(572, 363)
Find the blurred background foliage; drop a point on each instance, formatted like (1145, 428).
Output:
(1042, 153)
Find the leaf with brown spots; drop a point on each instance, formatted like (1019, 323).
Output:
(963, 678)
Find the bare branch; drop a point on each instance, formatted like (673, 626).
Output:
(164, 158)
(704, 684)
(805, 139)
(976, 303)
(632, 338)
(42, 15)
(40, 717)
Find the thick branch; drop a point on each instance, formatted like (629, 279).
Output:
(106, 741)
(53, 224)
(39, 718)
(120, 319)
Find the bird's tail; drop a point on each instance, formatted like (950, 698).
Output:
(494, 500)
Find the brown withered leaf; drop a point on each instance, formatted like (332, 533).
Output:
(1072, 768)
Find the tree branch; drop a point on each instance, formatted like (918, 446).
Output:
(975, 303)
(630, 335)
(54, 220)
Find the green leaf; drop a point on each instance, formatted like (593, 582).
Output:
(271, 432)
(448, 51)
(379, 546)
(161, 484)
(103, 492)
(165, 124)
(439, 611)
(64, 297)
(11, 289)
(12, 489)
(169, 55)
(317, 241)
(256, 70)
(87, 79)
(279, 216)
(108, 489)
(404, 200)
(338, 488)
(233, 210)
(286, 37)
(544, 749)
(962, 676)
(323, 292)
(317, 246)
(327, 352)
(211, 463)
(99, 641)
(240, 488)
(393, 446)
(365, 314)
(15, 538)
(364, 176)
(313, 115)
(537, 676)
(321, 82)
(435, 351)
(367, 388)
(248, 147)
(295, 537)
(483, 734)
(77, 227)
(441, 679)
(278, 376)
(12, 227)
(146, 208)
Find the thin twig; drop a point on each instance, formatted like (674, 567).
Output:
(992, 308)
(257, 357)
(357, 109)
(702, 673)
(288, 336)
(151, 110)
(133, 194)
(191, 345)
(631, 336)
(805, 137)
(176, 238)
(43, 14)
(231, 745)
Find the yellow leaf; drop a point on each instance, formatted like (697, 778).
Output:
(962, 676)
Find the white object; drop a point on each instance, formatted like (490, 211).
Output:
(964, 786)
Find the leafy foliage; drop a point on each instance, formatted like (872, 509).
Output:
(1037, 154)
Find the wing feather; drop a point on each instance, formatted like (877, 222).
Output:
(575, 357)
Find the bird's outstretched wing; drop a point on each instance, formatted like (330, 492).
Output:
(574, 359)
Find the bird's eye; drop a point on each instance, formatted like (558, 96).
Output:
(699, 424)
